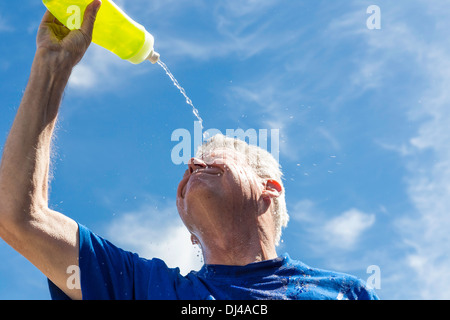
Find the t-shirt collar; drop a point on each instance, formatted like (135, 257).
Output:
(253, 269)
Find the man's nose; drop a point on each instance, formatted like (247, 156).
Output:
(196, 163)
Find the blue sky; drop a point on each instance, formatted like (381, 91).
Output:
(362, 114)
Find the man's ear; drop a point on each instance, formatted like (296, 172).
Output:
(273, 189)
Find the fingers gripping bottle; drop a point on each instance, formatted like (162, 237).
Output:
(114, 30)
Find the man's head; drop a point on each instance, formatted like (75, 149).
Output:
(232, 189)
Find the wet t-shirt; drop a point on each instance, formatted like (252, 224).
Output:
(108, 272)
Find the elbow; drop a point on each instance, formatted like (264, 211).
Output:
(16, 211)
(3, 219)
(19, 205)
(15, 220)
(6, 216)
(3, 212)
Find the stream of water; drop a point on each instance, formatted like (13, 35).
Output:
(183, 92)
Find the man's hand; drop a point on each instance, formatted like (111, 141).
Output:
(59, 45)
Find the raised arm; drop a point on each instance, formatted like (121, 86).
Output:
(48, 239)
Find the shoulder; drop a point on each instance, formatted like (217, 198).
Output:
(327, 284)
(350, 287)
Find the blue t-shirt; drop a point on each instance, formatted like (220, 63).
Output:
(108, 272)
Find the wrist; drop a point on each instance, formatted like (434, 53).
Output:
(48, 78)
(57, 62)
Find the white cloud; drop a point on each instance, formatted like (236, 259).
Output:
(303, 211)
(83, 77)
(95, 70)
(345, 230)
(98, 71)
(156, 232)
(239, 29)
(341, 232)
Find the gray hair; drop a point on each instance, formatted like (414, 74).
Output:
(264, 165)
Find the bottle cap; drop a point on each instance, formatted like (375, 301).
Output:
(153, 57)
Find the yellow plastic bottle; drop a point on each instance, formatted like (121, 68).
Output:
(114, 30)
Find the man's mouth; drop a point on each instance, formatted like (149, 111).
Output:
(213, 171)
(208, 170)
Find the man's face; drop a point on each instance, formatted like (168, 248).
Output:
(218, 192)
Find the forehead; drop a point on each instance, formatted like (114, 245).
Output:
(224, 156)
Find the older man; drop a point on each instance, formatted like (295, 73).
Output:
(231, 200)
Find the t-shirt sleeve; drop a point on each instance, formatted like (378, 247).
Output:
(360, 291)
(367, 294)
(110, 273)
(106, 271)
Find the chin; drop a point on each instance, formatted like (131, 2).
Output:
(203, 198)
(198, 187)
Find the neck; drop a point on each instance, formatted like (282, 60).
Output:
(238, 250)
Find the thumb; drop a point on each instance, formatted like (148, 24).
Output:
(90, 14)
